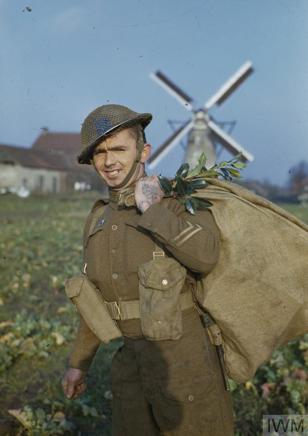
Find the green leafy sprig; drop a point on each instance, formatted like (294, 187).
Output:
(188, 181)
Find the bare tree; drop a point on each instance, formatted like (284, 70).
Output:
(298, 177)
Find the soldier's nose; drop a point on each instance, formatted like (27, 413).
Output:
(109, 159)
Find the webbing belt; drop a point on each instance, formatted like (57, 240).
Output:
(131, 309)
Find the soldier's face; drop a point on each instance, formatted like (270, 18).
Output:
(114, 157)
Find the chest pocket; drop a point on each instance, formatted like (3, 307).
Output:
(160, 283)
(96, 224)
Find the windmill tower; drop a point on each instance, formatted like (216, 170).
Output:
(203, 133)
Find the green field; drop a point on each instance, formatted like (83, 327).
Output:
(40, 244)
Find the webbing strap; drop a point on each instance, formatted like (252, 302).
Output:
(131, 309)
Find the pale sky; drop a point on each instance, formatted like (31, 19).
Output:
(63, 58)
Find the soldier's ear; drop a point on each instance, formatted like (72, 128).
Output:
(146, 152)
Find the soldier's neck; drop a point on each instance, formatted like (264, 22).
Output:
(126, 194)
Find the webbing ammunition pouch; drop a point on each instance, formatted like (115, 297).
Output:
(92, 307)
(160, 283)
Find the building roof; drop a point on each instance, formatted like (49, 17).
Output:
(51, 150)
(56, 141)
(30, 158)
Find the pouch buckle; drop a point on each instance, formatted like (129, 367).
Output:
(158, 254)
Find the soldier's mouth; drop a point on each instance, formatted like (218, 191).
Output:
(111, 173)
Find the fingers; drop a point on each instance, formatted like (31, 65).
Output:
(79, 390)
(73, 382)
(72, 390)
(68, 388)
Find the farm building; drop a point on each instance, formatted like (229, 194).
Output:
(48, 166)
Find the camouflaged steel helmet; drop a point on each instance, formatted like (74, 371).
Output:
(103, 121)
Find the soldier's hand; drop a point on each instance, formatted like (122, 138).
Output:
(147, 192)
(73, 383)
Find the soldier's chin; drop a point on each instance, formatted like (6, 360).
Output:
(114, 181)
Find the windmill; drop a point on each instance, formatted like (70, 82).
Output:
(203, 132)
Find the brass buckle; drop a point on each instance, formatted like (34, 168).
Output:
(158, 254)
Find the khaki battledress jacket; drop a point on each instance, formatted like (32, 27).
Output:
(115, 247)
(118, 245)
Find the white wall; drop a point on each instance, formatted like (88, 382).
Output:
(35, 179)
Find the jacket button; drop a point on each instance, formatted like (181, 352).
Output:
(115, 276)
(164, 282)
(114, 227)
(191, 398)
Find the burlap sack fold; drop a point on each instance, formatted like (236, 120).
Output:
(258, 292)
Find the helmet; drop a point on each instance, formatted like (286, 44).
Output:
(103, 121)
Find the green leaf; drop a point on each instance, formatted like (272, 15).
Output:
(194, 203)
(202, 159)
(197, 169)
(234, 172)
(198, 184)
(239, 165)
(188, 189)
(210, 173)
(225, 173)
(181, 187)
(202, 203)
(183, 170)
(223, 164)
(165, 185)
(190, 206)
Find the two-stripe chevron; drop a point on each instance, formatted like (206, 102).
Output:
(187, 233)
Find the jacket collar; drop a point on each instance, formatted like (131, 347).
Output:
(124, 197)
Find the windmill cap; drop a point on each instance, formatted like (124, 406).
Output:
(103, 121)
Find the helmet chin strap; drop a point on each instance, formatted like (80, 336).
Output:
(132, 174)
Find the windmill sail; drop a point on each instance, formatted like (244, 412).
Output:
(171, 142)
(228, 142)
(172, 89)
(230, 86)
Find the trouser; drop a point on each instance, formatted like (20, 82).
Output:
(170, 387)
